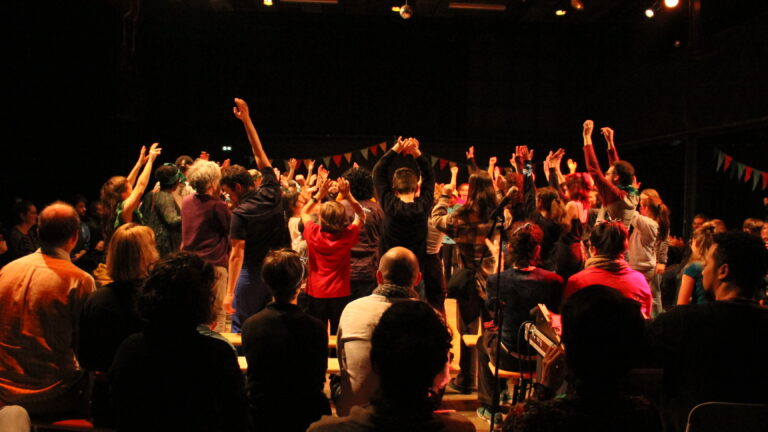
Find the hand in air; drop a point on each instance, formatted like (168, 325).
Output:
(589, 125)
(241, 110)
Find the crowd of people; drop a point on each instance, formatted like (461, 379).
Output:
(113, 312)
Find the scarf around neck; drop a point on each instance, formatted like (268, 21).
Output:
(607, 264)
(395, 291)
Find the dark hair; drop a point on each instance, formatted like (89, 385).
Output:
(290, 198)
(481, 198)
(549, 200)
(523, 240)
(183, 162)
(409, 347)
(360, 183)
(753, 226)
(404, 180)
(178, 293)
(597, 320)
(283, 271)
(79, 198)
(111, 195)
(659, 211)
(747, 260)
(609, 238)
(56, 226)
(578, 189)
(20, 207)
(236, 174)
(625, 171)
(701, 216)
(167, 175)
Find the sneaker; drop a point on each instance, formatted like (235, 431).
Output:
(459, 388)
(485, 414)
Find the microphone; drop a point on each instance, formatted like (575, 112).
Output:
(498, 211)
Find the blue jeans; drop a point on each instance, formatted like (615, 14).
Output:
(251, 295)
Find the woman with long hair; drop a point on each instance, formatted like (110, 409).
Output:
(22, 238)
(120, 197)
(648, 243)
(110, 315)
(469, 226)
(691, 289)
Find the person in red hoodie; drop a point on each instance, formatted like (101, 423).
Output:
(329, 245)
(608, 244)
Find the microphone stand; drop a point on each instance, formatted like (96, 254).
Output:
(498, 315)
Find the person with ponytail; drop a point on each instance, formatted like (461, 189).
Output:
(648, 243)
(691, 290)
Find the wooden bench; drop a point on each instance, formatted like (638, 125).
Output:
(237, 340)
(333, 365)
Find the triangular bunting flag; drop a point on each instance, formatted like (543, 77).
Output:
(720, 157)
(337, 160)
(747, 173)
(364, 152)
(327, 161)
(383, 146)
(739, 169)
(765, 180)
(728, 161)
(433, 159)
(443, 163)
(756, 179)
(348, 157)
(374, 150)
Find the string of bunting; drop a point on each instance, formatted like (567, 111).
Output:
(741, 171)
(368, 152)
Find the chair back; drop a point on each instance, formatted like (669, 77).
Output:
(727, 416)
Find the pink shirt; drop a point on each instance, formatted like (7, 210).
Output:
(630, 283)
(329, 260)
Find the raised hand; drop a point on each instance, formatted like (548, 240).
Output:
(608, 134)
(454, 170)
(143, 155)
(240, 110)
(499, 183)
(343, 185)
(492, 161)
(524, 153)
(589, 125)
(572, 165)
(154, 151)
(310, 165)
(323, 188)
(293, 163)
(204, 155)
(322, 173)
(470, 153)
(226, 163)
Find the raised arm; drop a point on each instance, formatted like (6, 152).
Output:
(134, 199)
(346, 193)
(243, 114)
(609, 193)
(454, 176)
(306, 211)
(613, 155)
(135, 170)
(523, 157)
(427, 191)
(381, 172)
(491, 166)
(472, 164)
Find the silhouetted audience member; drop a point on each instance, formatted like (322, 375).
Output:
(287, 353)
(409, 350)
(169, 376)
(603, 338)
(22, 239)
(41, 296)
(712, 351)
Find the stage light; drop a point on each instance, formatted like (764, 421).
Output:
(406, 11)
(650, 13)
(577, 5)
(396, 9)
(671, 3)
(560, 12)
(268, 3)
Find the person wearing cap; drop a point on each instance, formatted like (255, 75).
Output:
(161, 213)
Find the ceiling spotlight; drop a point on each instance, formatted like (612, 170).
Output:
(268, 3)
(577, 5)
(650, 13)
(671, 3)
(406, 11)
(560, 12)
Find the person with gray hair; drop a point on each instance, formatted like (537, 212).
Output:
(205, 231)
(41, 296)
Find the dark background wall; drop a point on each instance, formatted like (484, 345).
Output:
(84, 90)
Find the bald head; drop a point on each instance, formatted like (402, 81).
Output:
(58, 225)
(399, 266)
